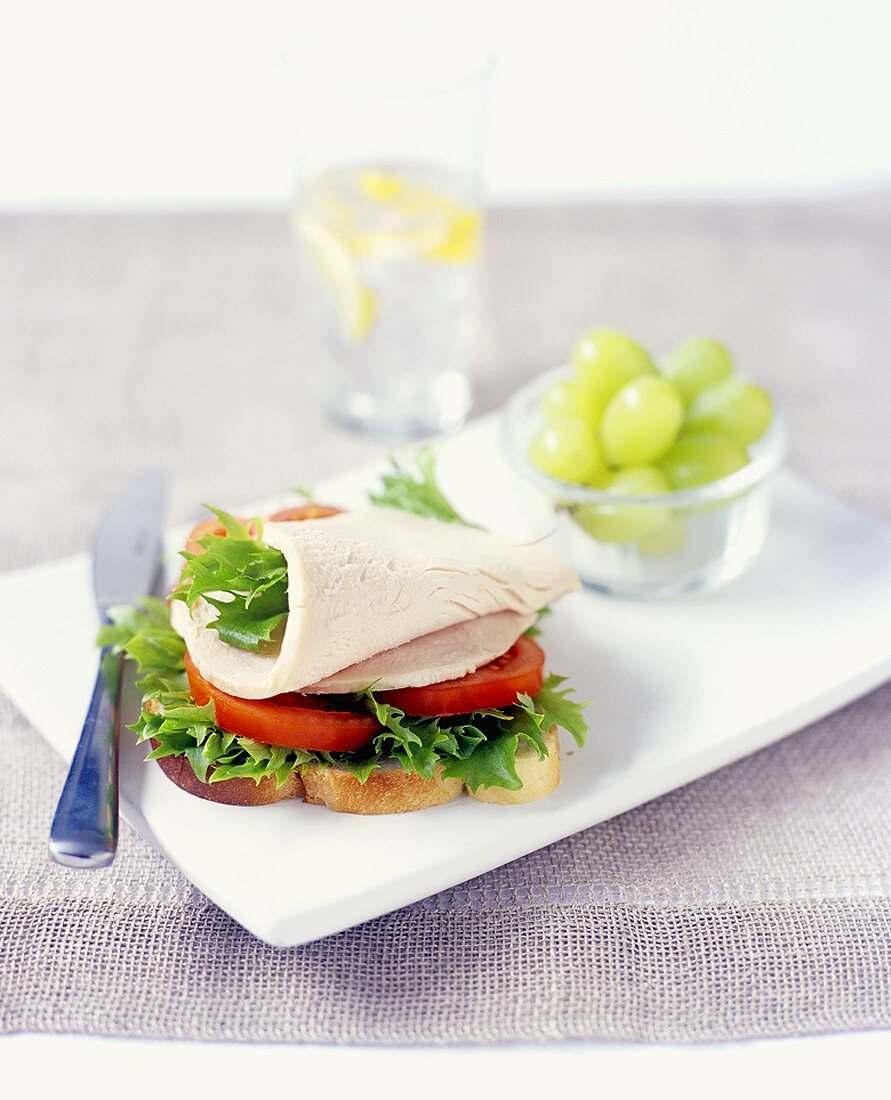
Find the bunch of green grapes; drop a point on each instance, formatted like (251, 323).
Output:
(625, 426)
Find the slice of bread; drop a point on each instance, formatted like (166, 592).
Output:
(390, 790)
(232, 792)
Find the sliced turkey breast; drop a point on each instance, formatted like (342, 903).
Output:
(370, 581)
(443, 655)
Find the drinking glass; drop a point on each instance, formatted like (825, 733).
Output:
(388, 212)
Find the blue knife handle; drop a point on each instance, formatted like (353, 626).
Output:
(84, 832)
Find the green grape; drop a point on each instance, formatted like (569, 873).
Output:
(571, 399)
(641, 422)
(605, 361)
(700, 458)
(667, 539)
(639, 481)
(737, 409)
(626, 522)
(697, 363)
(568, 451)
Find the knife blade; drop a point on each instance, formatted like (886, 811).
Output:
(127, 548)
(126, 565)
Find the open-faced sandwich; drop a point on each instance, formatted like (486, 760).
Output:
(374, 661)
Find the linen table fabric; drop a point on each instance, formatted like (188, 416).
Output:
(754, 902)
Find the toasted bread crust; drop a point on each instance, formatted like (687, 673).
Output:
(232, 792)
(388, 791)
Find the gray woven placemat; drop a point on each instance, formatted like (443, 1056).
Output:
(753, 902)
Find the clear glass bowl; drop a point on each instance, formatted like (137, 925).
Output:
(644, 547)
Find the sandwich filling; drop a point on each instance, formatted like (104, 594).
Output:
(357, 585)
(390, 634)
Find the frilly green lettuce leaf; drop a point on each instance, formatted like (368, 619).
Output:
(417, 493)
(491, 764)
(243, 578)
(558, 709)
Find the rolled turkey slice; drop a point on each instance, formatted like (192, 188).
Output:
(368, 581)
(443, 655)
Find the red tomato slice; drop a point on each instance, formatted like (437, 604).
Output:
(213, 526)
(205, 527)
(305, 511)
(496, 684)
(292, 721)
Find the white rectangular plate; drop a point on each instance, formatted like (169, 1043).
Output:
(679, 689)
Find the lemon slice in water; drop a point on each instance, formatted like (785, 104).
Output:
(436, 227)
(356, 303)
(380, 186)
(460, 240)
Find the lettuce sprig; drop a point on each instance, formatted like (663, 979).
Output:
(244, 578)
(418, 492)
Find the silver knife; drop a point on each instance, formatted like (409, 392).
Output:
(126, 565)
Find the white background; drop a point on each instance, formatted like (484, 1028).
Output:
(841, 1067)
(181, 103)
